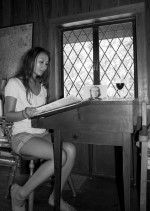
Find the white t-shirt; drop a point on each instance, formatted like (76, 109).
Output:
(16, 89)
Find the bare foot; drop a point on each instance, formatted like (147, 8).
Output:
(16, 203)
(64, 206)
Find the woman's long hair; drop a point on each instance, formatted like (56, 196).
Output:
(26, 68)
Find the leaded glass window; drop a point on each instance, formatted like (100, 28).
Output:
(100, 54)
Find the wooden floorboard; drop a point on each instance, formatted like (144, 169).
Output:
(99, 194)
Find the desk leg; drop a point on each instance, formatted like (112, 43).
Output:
(143, 182)
(119, 174)
(126, 169)
(57, 170)
(90, 154)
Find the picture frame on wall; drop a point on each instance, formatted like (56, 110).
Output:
(14, 42)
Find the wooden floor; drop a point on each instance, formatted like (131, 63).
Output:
(98, 194)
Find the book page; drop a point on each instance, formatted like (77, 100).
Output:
(58, 104)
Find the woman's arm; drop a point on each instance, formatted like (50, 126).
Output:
(11, 115)
(9, 110)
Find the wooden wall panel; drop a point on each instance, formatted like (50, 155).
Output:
(103, 4)
(19, 11)
(85, 6)
(5, 13)
(41, 23)
(147, 20)
(103, 161)
(70, 7)
(141, 58)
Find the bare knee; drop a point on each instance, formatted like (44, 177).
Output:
(64, 157)
(70, 149)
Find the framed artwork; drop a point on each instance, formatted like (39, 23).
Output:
(94, 92)
(14, 42)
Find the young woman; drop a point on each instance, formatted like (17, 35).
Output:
(23, 93)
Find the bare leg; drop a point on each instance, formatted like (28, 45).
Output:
(43, 149)
(66, 170)
(70, 150)
(40, 148)
(17, 203)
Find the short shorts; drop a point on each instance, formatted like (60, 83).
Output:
(18, 140)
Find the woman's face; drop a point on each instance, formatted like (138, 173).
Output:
(41, 65)
(95, 92)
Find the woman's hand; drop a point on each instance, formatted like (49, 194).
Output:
(14, 116)
(30, 111)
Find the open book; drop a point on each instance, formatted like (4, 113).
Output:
(58, 104)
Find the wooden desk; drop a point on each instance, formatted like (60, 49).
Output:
(99, 123)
